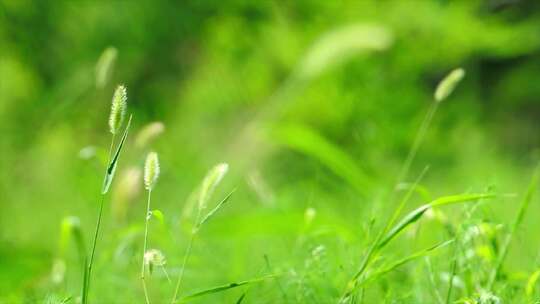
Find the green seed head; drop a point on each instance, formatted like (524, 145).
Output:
(151, 170)
(212, 179)
(448, 84)
(118, 109)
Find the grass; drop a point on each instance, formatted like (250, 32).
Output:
(376, 264)
(317, 256)
(118, 111)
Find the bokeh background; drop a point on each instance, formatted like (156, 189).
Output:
(312, 103)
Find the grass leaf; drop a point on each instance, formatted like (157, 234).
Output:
(213, 211)
(222, 288)
(111, 169)
(531, 189)
(417, 213)
(403, 261)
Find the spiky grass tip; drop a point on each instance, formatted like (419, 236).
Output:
(151, 170)
(448, 84)
(118, 109)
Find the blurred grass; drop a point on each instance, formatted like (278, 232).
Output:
(223, 77)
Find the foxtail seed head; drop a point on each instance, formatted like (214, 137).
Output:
(210, 182)
(151, 170)
(448, 84)
(154, 257)
(118, 109)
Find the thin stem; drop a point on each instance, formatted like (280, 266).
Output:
(187, 254)
(454, 266)
(186, 257)
(453, 274)
(88, 274)
(146, 220)
(417, 142)
(166, 274)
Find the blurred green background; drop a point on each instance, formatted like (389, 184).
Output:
(312, 103)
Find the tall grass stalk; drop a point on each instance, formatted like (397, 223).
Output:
(533, 185)
(116, 118)
(151, 174)
(443, 90)
(143, 279)
(209, 184)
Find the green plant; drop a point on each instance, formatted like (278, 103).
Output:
(151, 175)
(209, 184)
(116, 118)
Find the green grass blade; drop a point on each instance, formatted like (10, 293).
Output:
(111, 169)
(417, 213)
(222, 288)
(402, 261)
(533, 185)
(213, 211)
(241, 298)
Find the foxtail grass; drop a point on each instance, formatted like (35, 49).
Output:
(442, 92)
(151, 175)
(209, 184)
(116, 118)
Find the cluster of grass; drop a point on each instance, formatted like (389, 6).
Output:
(150, 258)
(474, 273)
(327, 198)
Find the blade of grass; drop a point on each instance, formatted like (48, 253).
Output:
(403, 261)
(213, 211)
(531, 189)
(222, 288)
(417, 213)
(209, 184)
(107, 180)
(111, 169)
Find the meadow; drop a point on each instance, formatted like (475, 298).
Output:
(269, 152)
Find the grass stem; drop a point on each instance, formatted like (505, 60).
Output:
(88, 273)
(184, 263)
(146, 220)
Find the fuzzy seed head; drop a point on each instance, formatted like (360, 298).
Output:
(154, 257)
(118, 109)
(448, 84)
(210, 182)
(151, 170)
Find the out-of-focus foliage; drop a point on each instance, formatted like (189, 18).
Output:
(312, 103)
